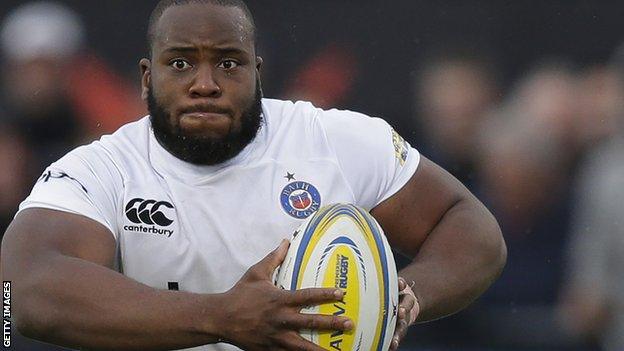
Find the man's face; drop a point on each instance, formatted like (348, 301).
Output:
(202, 84)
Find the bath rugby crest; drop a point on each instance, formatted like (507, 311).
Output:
(300, 199)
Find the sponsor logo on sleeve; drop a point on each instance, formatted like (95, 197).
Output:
(400, 147)
(49, 175)
(149, 216)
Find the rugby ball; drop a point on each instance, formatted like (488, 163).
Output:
(342, 246)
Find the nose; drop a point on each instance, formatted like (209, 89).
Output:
(204, 84)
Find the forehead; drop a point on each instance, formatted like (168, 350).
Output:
(203, 25)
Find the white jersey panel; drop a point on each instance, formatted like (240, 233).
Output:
(199, 228)
(84, 182)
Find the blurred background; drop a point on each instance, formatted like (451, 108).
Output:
(523, 101)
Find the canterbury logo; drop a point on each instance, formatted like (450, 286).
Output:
(142, 211)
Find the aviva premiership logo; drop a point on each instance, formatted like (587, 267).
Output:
(340, 256)
(300, 199)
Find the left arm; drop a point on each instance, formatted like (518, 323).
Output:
(455, 242)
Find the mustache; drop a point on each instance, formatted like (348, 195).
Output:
(207, 108)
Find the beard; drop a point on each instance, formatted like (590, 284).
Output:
(205, 151)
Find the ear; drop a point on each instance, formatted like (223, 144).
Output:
(259, 62)
(146, 76)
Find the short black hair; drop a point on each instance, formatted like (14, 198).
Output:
(165, 4)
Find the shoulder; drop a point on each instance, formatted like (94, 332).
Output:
(289, 115)
(89, 179)
(131, 139)
(304, 109)
(342, 130)
(284, 114)
(288, 108)
(111, 156)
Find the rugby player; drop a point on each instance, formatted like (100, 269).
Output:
(162, 235)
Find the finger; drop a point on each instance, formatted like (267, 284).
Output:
(402, 284)
(408, 309)
(402, 319)
(402, 313)
(303, 345)
(315, 296)
(411, 304)
(275, 258)
(394, 345)
(403, 329)
(407, 302)
(406, 305)
(399, 333)
(295, 342)
(319, 322)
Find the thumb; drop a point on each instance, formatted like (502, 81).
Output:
(275, 258)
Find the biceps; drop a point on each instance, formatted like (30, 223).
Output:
(37, 234)
(411, 214)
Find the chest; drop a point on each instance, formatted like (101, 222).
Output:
(202, 237)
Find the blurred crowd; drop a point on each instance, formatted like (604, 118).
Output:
(545, 153)
(55, 94)
(545, 156)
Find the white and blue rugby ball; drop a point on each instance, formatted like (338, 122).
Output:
(342, 246)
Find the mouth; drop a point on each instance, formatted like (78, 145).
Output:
(205, 123)
(205, 115)
(205, 112)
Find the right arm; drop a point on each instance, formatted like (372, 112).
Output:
(65, 292)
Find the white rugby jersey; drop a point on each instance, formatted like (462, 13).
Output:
(199, 228)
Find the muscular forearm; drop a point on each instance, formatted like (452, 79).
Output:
(460, 258)
(77, 303)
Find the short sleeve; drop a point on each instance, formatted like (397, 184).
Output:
(84, 182)
(374, 159)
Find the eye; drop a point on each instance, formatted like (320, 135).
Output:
(228, 64)
(180, 65)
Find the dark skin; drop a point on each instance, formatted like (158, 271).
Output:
(202, 65)
(455, 242)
